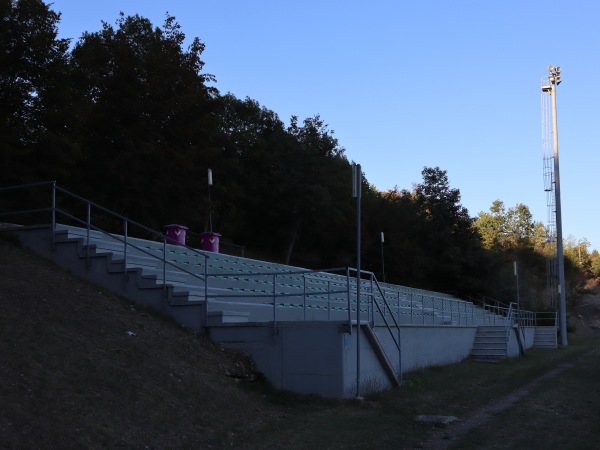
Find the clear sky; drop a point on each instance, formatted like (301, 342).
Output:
(412, 83)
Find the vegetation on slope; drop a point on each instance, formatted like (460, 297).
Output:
(82, 368)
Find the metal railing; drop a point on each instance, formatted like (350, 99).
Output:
(89, 226)
(422, 307)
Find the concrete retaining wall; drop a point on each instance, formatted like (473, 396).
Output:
(321, 357)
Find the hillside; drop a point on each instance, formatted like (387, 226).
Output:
(586, 316)
(82, 368)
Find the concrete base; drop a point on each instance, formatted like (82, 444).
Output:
(321, 357)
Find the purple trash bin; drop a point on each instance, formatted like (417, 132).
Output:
(175, 234)
(210, 241)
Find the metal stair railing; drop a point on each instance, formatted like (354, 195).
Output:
(383, 311)
(87, 222)
(372, 286)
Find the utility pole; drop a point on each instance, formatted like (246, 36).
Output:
(382, 259)
(210, 182)
(554, 80)
(356, 193)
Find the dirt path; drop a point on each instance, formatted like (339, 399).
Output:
(447, 437)
(586, 319)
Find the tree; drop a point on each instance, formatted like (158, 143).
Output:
(520, 226)
(148, 122)
(447, 234)
(595, 263)
(32, 82)
(492, 226)
(501, 229)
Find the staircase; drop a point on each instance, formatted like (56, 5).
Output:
(490, 344)
(545, 337)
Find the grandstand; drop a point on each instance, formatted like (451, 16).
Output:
(306, 330)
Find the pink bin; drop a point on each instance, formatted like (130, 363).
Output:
(210, 241)
(176, 234)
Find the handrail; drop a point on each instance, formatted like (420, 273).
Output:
(386, 305)
(26, 185)
(119, 216)
(87, 222)
(407, 297)
(509, 319)
(124, 241)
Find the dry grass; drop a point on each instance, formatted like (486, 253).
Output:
(82, 368)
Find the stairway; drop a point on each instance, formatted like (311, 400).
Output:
(545, 337)
(490, 344)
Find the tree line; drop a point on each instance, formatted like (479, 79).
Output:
(127, 117)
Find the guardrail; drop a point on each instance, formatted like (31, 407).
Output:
(423, 307)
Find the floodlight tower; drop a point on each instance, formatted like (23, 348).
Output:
(554, 80)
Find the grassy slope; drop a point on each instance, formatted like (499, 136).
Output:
(82, 368)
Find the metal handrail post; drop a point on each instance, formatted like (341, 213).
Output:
(372, 306)
(88, 223)
(274, 303)
(165, 265)
(432, 310)
(125, 233)
(399, 354)
(443, 311)
(304, 295)
(328, 300)
(205, 291)
(53, 238)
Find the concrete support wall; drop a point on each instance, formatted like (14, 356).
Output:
(321, 357)
(513, 343)
(304, 357)
(424, 346)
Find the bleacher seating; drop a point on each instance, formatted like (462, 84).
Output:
(263, 290)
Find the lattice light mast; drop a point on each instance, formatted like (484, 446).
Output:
(554, 80)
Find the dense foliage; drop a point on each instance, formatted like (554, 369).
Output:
(128, 118)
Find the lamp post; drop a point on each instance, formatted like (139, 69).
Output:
(382, 259)
(356, 193)
(210, 182)
(554, 80)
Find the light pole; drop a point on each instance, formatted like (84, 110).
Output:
(554, 80)
(382, 259)
(210, 182)
(356, 193)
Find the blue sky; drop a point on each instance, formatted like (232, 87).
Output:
(408, 84)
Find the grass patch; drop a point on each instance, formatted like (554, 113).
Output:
(388, 420)
(71, 376)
